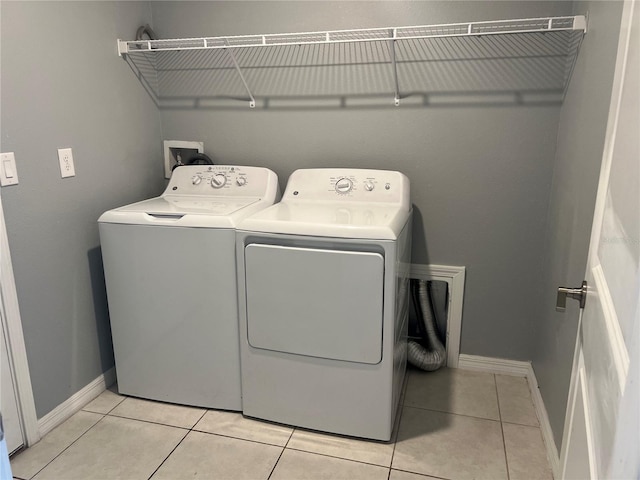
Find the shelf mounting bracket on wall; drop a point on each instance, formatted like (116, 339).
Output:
(252, 100)
(392, 47)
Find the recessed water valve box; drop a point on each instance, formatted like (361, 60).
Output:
(179, 152)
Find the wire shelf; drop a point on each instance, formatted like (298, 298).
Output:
(526, 56)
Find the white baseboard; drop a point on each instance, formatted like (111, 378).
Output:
(522, 369)
(545, 426)
(75, 403)
(494, 365)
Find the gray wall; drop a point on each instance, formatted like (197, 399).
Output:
(63, 85)
(581, 136)
(480, 175)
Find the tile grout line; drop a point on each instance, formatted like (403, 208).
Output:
(281, 453)
(395, 441)
(397, 432)
(504, 443)
(393, 452)
(239, 438)
(167, 457)
(453, 413)
(71, 444)
(522, 424)
(337, 458)
(401, 400)
(151, 422)
(200, 419)
(286, 447)
(177, 445)
(123, 398)
(421, 474)
(197, 430)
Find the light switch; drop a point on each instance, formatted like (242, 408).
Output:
(8, 172)
(8, 168)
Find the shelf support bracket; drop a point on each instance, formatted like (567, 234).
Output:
(123, 47)
(252, 100)
(392, 48)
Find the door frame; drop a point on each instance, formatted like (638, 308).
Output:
(12, 325)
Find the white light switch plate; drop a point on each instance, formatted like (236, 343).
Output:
(8, 172)
(65, 156)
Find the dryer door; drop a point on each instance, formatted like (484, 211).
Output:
(314, 302)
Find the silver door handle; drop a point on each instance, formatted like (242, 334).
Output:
(579, 294)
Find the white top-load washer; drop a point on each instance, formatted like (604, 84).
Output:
(323, 302)
(169, 266)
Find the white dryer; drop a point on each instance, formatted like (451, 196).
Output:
(169, 266)
(323, 302)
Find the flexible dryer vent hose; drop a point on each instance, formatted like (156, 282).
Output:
(434, 355)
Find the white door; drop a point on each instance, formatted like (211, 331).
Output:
(8, 399)
(16, 394)
(602, 427)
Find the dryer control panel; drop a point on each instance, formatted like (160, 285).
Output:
(221, 180)
(348, 185)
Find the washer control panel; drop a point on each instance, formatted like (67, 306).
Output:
(345, 184)
(369, 183)
(226, 180)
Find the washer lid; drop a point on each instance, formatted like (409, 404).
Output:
(186, 211)
(342, 220)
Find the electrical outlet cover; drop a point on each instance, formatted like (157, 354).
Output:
(65, 157)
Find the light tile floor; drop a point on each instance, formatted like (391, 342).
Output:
(454, 424)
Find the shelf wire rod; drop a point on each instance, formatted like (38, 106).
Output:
(259, 60)
(573, 58)
(541, 69)
(483, 70)
(379, 54)
(444, 79)
(536, 71)
(556, 42)
(417, 50)
(296, 78)
(392, 46)
(252, 100)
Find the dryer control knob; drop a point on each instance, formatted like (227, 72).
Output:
(218, 180)
(368, 186)
(196, 179)
(344, 185)
(241, 181)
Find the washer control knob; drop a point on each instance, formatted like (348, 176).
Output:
(241, 181)
(344, 185)
(196, 179)
(218, 180)
(368, 185)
